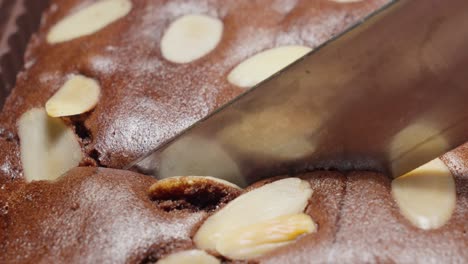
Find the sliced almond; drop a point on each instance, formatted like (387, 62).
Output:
(214, 160)
(264, 64)
(260, 133)
(190, 38)
(89, 20)
(256, 239)
(403, 152)
(48, 147)
(78, 95)
(189, 256)
(178, 181)
(426, 196)
(283, 197)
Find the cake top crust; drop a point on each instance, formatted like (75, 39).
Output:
(146, 99)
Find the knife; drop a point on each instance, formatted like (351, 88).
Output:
(387, 95)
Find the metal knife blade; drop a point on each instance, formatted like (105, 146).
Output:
(387, 95)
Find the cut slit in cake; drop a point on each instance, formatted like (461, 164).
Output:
(120, 84)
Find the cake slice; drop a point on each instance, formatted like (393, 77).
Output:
(152, 79)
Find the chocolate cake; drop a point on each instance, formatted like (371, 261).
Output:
(106, 81)
(145, 98)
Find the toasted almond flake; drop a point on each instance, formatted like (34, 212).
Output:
(178, 160)
(260, 133)
(78, 95)
(257, 239)
(426, 196)
(264, 64)
(48, 147)
(190, 38)
(174, 182)
(89, 20)
(402, 149)
(283, 197)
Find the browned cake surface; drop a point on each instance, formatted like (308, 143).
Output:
(106, 215)
(91, 215)
(369, 227)
(371, 224)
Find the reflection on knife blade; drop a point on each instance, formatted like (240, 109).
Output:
(388, 95)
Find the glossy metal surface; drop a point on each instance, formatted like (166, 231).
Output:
(388, 95)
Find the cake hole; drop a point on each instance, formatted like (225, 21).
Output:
(192, 193)
(5, 209)
(95, 156)
(83, 132)
(8, 135)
